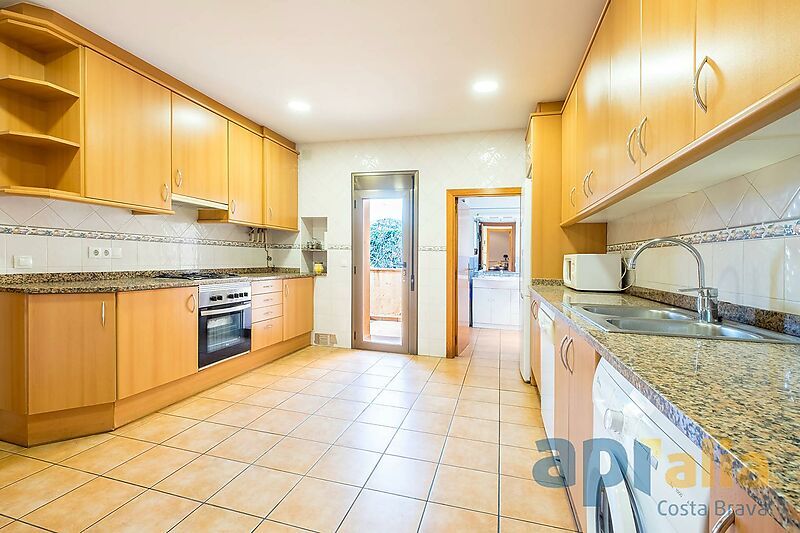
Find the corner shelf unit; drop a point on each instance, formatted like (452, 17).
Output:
(313, 229)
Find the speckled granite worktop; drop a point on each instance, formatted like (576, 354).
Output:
(745, 394)
(138, 281)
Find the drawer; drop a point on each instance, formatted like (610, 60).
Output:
(267, 333)
(264, 287)
(265, 313)
(268, 299)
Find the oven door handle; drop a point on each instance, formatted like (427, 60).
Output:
(214, 312)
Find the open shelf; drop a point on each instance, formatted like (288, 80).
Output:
(35, 37)
(39, 89)
(37, 139)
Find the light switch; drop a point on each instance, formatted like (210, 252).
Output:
(116, 253)
(23, 261)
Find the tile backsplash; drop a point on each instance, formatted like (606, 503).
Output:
(747, 229)
(57, 236)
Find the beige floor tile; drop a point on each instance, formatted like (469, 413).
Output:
(279, 369)
(289, 384)
(21, 527)
(200, 408)
(475, 429)
(345, 465)
(208, 519)
(471, 454)
(304, 403)
(293, 455)
(482, 410)
(521, 415)
(410, 385)
(486, 382)
(268, 398)
(324, 388)
(152, 511)
(403, 476)
(246, 446)
(367, 437)
(343, 409)
(520, 435)
(108, 455)
(157, 428)
(440, 518)
(509, 525)
(340, 377)
(525, 499)
(518, 462)
(520, 399)
(514, 384)
(427, 422)
(268, 526)
(4, 521)
(376, 382)
(278, 421)
(478, 394)
(465, 488)
(152, 466)
(255, 491)
(358, 394)
(310, 373)
(387, 513)
(15, 467)
(201, 438)
(232, 393)
(254, 379)
(316, 504)
(445, 390)
(22, 497)
(396, 398)
(321, 429)
(201, 478)
(79, 509)
(383, 415)
(435, 404)
(448, 378)
(382, 370)
(59, 451)
(477, 370)
(416, 445)
(238, 415)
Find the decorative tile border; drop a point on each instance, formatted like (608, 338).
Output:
(432, 248)
(764, 230)
(109, 236)
(274, 246)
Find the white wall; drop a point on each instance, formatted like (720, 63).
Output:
(481, 159)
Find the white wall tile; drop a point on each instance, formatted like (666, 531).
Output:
(792, 269)
(728, 265)
(63, 255)
(763, 269)
(3, 266)
(27, 245)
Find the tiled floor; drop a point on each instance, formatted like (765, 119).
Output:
(324, 440)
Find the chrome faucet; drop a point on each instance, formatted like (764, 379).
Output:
(707, 297)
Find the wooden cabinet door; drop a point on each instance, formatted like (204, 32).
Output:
(592, 160)
(561, 384)
(667, 72)
(569, 190)
(298, 307)
(582, 361)
(245, 175)
(156, 338)
(127, 135)
(753, 47)
(280, 175)
(536, 346)
(71, 351)
(624, 97)
(754, 519)
(199, 152)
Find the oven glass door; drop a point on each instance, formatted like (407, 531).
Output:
(223, 332)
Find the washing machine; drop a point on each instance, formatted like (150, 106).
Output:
(649, 476)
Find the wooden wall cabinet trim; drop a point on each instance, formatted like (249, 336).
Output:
(569, 185)
(298, 307)
(280, 178)
(536, 346)
(156, 338)
(245, 176)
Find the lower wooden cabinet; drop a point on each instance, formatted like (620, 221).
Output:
(282, 310)
(266, 333)
(298, 307)
(156, 338)
(536, 346)
(748, 516)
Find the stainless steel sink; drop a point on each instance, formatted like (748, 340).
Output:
(672, 322)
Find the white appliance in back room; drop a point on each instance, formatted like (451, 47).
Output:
(525, 279)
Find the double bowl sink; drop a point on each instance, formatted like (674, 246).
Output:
(672, 322)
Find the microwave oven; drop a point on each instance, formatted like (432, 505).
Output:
(593, 272)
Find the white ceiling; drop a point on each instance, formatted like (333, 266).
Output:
(368, 68)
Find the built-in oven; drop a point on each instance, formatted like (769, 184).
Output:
(225, 322)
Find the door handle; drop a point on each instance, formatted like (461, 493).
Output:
(233, 207)
(103, 314)
(725, 521)
(194, 302)
(566, 355)
(640, 135)
(572, 196)
(628, 145)
(165, 192)
(561, 350)
(178, 178)
(696, 86)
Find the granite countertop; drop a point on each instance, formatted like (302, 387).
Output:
(74, 284)
(743, 394)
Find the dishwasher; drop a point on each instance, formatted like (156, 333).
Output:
(548, 356)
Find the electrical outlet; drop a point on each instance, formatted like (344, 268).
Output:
(107, 253)
(95, 252)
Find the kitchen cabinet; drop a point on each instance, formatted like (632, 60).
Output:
(494, 305)
(127, 135)
(754, 519)
(246, 180)
(280, 178)
(71, 351)
(199, 152)
(156, 338)
(536, 345)
(298, 307)
(623, 28)
(752, 46)
(267, 333)
(666, 78)
(569, 188)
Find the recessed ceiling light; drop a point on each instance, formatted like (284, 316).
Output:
(297, 105)
(484, 86)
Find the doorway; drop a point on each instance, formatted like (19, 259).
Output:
(384, 297)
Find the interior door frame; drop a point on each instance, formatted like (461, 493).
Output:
(411, 342)
(452, 196)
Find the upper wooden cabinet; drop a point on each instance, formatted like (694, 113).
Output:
(199, 152)
(752, 48)
(280, 176)
(246, 177)
(667, 71)
(127, 135)
(569, 189)
(156, 338)
(298, 307)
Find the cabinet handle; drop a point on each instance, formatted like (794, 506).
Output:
(178, 178)
(725, 521)
(233, 207)
(587, 185)
(572, 196)
(165, 192)
(640, 135)
(628, 145)
(286, 289)
(535, 309)
(561, 350)
(695, 86)
(269, 209)
(194, 302)
(566, 356)
(103, 314)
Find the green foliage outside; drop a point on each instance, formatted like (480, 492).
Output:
(386, 243)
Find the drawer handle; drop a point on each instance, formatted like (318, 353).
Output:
(103, 314)
(628, 145)
(178, 178)
(640, 135)
(725, 521)
(695, 86)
